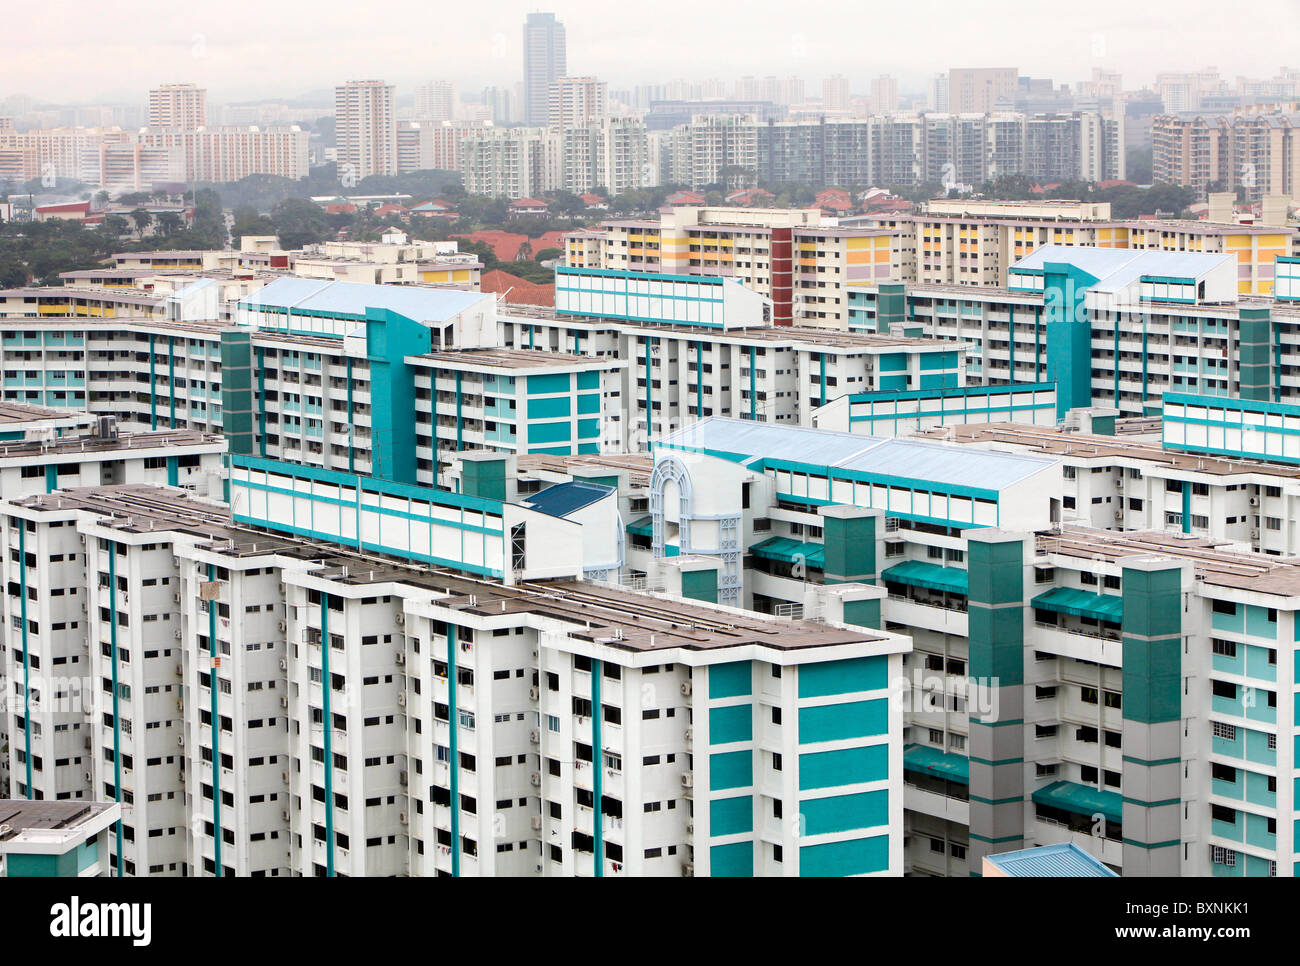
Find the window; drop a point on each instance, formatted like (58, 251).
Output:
(1225, 731)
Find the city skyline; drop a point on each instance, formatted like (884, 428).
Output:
(1109, 35)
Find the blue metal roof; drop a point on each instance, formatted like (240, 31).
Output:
(944, 463)
(564, 498)
(1052, 861)
(1116, 268)
(351, 299)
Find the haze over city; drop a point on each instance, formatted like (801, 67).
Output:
(252, 50)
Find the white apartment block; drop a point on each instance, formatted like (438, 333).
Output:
(365, 129)
(180, 107)
(267, 706)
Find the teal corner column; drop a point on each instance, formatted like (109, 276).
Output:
(1069, 335)
(1254, 353)
(849, 536)
(483, 475)
(237, 391)
(1152, 710)
(390, 338)
(891, 306)
(997, 674)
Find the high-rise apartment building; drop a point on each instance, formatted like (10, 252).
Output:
(576, 101)
(544, 64)
(365, 129)
(977, 90)
(884, 94)
(435, 101)
(182, 107)
(835, 93)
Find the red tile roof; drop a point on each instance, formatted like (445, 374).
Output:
(685, 198)
(516, 290)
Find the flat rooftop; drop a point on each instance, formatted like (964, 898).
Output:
(20, 815)
(909, 458)
(11, 412)
(65, 446)
(638, 467)
(1089, 446)
(614, 616)
(1214, 565)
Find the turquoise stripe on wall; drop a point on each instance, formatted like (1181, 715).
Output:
(731, 816)
(730, 680)
(840, 813)
(842, 677)
(731, 769)
(847, 766)
(854, 857)
(835, 722)
(733, 723)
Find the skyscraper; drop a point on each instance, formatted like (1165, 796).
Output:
(544, 64)
(365, 129)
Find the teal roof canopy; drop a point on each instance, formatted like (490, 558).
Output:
(940, 764)
(1081, 800)
(643, 527)
(787, 550)
(1081, 603)
(918, 573)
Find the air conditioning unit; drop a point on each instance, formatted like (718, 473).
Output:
(89, 777)
(1119, 482)
(1254, 534)
(284, 814)
(1254, 501)
(686, 688)
(688, 869)
(401, 657)
(1119, 514)
(534, 736)
(690, 828)
(403, 777)
(403, 817)
(533, 693)
(535, 779)
(688, 780)
(180, 671)
(177, 634)
(176, 598)
(284, 664)
(281, 626)
(537, 823)
(400, 619)
(284, 777)
(284, 701)
(181, 741)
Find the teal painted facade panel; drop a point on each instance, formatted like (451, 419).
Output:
(843, 677)
(730, 680)
(731, 769)
(853, 857)
(847, 766)
(732, 861)
(841, 813)
(836, 722)
(732, 723)
(731, 816)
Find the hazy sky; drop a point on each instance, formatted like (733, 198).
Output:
(72, 51)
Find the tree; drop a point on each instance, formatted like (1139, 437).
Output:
(169, 222)
(115, 225)
(142, 219)
(298, 223)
